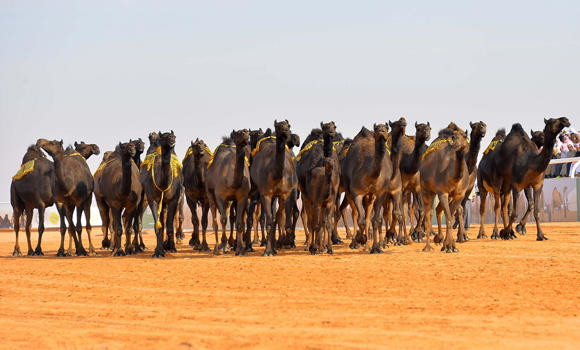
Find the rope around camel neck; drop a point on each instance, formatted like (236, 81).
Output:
(158, 222)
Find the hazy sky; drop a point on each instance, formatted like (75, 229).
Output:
(108, 71)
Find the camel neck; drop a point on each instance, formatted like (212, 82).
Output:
(137, 160)
(198, 172)
(543, 158)
(59, 169)
(380, 150)
(239, 167)
(280, 160)
(473, 152)
(126, 174)
(396, 153)
(327, 145)
(165, 167)
(416, 157)
(459, 164)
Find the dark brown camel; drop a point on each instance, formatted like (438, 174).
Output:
(194, 166)
(444, 173)
(118, 189)
(519, 165)
(488, 181)
(73, 189)
(392, 203)
(366, 173)
(478, 131)
(228, 179)
(162, 181)
(31, 189)
(318, 173)
(274, 174)
(410, 179)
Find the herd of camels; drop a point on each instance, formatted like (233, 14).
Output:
(254, 178)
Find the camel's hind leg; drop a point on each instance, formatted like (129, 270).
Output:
(17, 212)
(38, 250)
(60, 208)
(521, 227)
(240, 225)
(449, 242)
(270, 227)
(427, 220)
(105, 218)
(204, 213)
(159, 249)
(439, 214)
(304, 216)
(194, 241)
(88, 227)
(507, 232)
(537, 196)
(482, 198)
(80, 249)
(118, 232)
(29, 213)
(376, 223)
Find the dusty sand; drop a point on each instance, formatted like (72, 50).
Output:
(516, 294)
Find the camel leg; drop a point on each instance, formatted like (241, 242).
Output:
(496, 209)
(194, 241)
(270, 227)
(17, 213)
(88, 227)
(404, 211)
(118, 232)
(537, 194)
(127, 216)
(220, 247)
(172, 209)
(143, 206)
(420, 208)
(61, 210)
(427, 220)
(255, 222)
(136, 229)
(232, 211)
(354, 244)
(439, 214)
(263, 227)
(343, 214)
(449, 242)
(507, 232)
(159, 250)
(304, 216)
(38, 250)
(80, 249)
(368, 221)
(104, 211)
(29, 212)
(240, 225)
(336, 215)
(180, 217)
(204, 212)
(402, 237)
(461, 235)
(281, 219)
(521, 227)
(376, 223)
(482, 198)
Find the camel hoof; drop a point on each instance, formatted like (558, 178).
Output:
(241, 252)
(353, 245)
(16, 252)
(521, 229)
(60, 252)
(38, 252)
(194, 243)
(336, 240)
(541, 238)
(159, 253)
(30, 252)
(119, 252)
(269, 252)
(481, 236)
(204, 248)
(428, 248)
(449, 249)
(329, 251)
(106, 244)
(82, 252)
(376, 250)
(249, 249)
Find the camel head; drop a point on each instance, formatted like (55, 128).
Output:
(87, 149)
(381, 132)
(398, 127)
(33, 152)
(537, 137)
(153, 138)
(197, 148)
(294, 141)
(555, 125)
(53, 147)
(167, 140)
(240, 137)
(255, 135)
(328, 129)
(127, 149)
(139, 146)
(459, 139)
(282, 129)
(478, 130)
(422, 132)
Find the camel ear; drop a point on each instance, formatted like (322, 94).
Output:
(275, 122)
(76, 144)
(321, 125)
(374, 125)
(531, 132)
(428, 124)
(159, 133)
(545, 121)
(140, 140)
(172, 133)
(471, 125)
(287, 121)
(416, 125)
(61, 142)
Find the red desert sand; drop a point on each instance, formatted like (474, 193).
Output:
(500, 294)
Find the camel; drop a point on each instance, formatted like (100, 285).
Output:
(194, 165)
(31, 188)
(520, 165)
(559, 201)
(444, 173)
(478, 131)
(228, 179)
(118, 189)
(255, 214)
(489, 182)
(410, 180)
(73, 189)
(162, 181)
(537, 138)
(288, 239)
(365, 174)
(274, 174)
(318, 173)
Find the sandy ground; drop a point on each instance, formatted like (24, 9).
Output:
(516, 294)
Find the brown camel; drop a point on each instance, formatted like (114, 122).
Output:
(537, 138)
(488, 181)
(393, 199)
(118, 189)
(162, 181)
(366, 173)
(318, 173)
(444, 173)
(228, 179)
(273, 171)
(194, 166)
(31, 189)
(73, 189)
(413, 150)
(478, 131)
(519, 165)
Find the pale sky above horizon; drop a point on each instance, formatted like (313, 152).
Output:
(107, 71)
